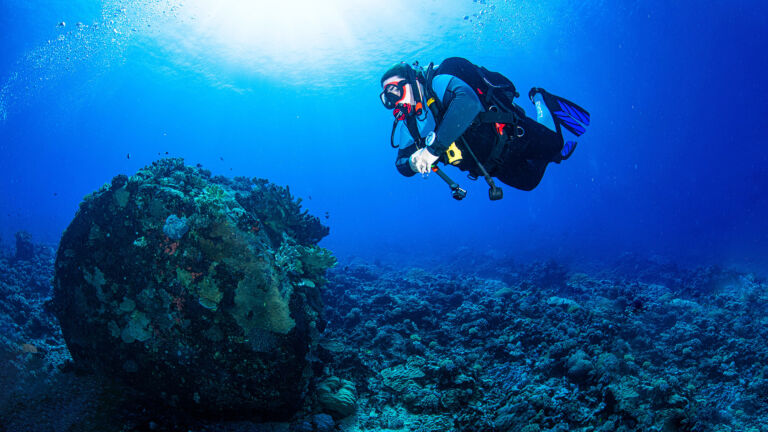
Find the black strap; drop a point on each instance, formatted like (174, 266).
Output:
(498, 153)
(503, 143)
(435, 105)
(509, 118)
(500, 150)
(413, 129)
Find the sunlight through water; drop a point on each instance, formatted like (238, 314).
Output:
(231, 43)
(300, 39)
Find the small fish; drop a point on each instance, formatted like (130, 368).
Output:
(127, 155)
(221, 157)
(29, 348)
(55, 194)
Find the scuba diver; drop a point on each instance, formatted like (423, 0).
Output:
(463, 115)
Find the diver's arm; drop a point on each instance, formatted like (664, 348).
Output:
(461, 108)
(403, 160)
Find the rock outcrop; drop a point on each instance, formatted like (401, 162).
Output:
(200, 291)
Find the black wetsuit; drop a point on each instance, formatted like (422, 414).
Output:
(522, 166)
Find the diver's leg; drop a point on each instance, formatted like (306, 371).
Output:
(543, 116)
(522, 174)
(558, 114)
(562, 112)
(539, 142)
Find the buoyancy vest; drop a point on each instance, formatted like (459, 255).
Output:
(495, 92)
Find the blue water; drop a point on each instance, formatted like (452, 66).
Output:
(673, 163)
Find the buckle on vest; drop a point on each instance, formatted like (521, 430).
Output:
(454, 154)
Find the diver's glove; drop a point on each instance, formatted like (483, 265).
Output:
(421, 160)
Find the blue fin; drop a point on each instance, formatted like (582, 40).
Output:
(566, 113)
(568, 149)
(570, 115)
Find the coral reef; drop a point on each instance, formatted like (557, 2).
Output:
(542, 348)
(200, 292)
(35, 395)
(24, 248)
(337, 396)
(499, 347)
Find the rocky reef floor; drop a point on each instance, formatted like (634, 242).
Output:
(482, 344)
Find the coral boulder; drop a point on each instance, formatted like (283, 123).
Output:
(200, 292)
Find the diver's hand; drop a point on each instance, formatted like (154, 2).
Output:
(421, 161)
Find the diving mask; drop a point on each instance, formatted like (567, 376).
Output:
(393, 93)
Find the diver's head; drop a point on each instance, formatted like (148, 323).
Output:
(399, 86)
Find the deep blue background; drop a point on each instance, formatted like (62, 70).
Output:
(673, 164)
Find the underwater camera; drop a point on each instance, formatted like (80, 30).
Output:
(458, 193)
(495, 193)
